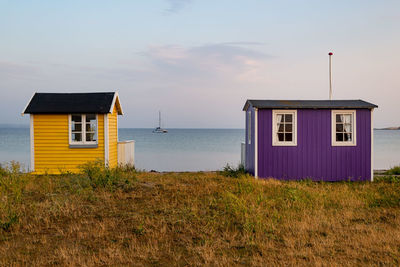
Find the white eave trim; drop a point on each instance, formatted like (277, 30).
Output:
(27, 104)
(113, 104)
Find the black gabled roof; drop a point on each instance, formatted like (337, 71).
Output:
(309, 104)
(66, 103)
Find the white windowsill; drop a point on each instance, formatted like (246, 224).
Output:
(83, 145)
(284, 144)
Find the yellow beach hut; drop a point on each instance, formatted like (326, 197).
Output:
(70, 129)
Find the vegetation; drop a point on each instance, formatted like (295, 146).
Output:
(122, 217)
(230, 171)
(393, 171)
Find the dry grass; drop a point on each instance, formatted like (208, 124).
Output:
(131, 218)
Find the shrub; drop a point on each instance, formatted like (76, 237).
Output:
(394, 171)
(230, 171)
(13, 167)
(12, 183)
(387, 179)
(127, 168)
(110, 178)
(3, 171)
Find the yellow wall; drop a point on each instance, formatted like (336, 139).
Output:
(51, 145)
(113, 138)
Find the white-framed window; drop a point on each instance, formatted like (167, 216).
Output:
(83, 129)
(284, 127)
(344, 128)
(249, 127)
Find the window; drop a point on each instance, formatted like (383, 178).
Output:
(249, 127)
(83, 129)
(284, 127)
(343, 127)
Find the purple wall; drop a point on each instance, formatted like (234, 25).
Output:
(249, 161)
(314, 157)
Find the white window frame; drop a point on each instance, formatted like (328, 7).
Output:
(249, 127)
(353, 127)
(83, 142)
(275, 140)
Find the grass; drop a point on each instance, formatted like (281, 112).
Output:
(123, 217)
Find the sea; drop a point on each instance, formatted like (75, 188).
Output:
(187, 149)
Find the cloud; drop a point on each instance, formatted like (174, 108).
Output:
(168, 77)
(245, 43)
(16, 70)
(159, 65)
(175, 66)
(176, 5)
(221, 61)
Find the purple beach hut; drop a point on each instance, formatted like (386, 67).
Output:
(322, 140)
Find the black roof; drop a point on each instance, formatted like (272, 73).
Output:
(66, 103)
(309, 104)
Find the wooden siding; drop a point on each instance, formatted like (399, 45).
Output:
(52, 153)
(314, 156)
(113, 138)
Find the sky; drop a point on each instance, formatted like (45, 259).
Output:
(198, 60)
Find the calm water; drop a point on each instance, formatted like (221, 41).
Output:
(188, 149)
(178, 150)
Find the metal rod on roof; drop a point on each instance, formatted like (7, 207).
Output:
(330, 75)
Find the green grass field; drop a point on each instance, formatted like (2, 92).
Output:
(122, 217)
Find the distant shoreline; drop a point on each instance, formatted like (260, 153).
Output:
(388, 128)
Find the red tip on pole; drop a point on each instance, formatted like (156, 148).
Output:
(330, 53)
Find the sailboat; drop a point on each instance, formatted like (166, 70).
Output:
(159, 129)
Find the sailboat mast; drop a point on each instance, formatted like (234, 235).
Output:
(159, 119)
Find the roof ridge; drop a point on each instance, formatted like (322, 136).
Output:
(309, 104)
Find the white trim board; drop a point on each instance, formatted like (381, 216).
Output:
(32, 141)
(372, 145)
(113, 104)
(256, 143)
(106, 146)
